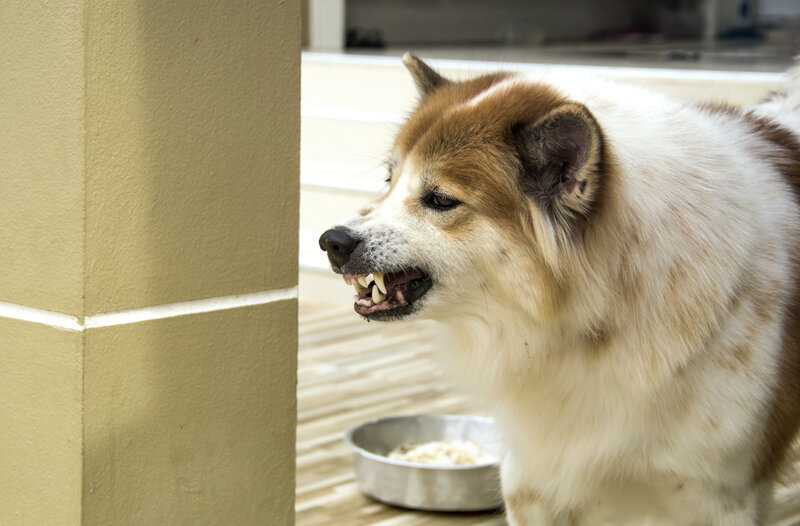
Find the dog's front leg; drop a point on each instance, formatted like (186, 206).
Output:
(524, 504)
(524, 507)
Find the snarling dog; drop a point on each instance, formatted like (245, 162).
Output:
(615, 275)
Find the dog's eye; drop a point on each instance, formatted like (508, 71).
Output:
(440, 202)
(443, 202)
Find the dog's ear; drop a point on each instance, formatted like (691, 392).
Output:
(426, 79)
(560, 156)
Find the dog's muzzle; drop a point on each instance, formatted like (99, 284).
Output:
(339, 243)
(382, 292)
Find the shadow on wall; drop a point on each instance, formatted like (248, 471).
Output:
(193, 185)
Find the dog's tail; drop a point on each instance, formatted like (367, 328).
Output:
(783, 103)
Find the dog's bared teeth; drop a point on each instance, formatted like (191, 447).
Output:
(369, 279)
(358, 287)
(363, 281)
(364, 302)
(378, 277)
(377, 297)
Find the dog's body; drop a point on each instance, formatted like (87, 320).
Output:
(615, 273)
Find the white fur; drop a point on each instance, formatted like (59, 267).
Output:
(651, 429)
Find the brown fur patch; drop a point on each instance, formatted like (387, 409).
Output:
(433, 106)
(597, 336)
(784, 413)
(469, 150)
(425, 77)
(784, 418)
(772, 95)
(722, 108)
(786, 143)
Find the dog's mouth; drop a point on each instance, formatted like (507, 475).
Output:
(382, 296)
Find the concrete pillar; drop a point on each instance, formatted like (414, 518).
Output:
(149, 187)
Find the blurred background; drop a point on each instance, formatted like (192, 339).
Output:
(711, 32)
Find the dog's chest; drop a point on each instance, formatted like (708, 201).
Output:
(574, 425)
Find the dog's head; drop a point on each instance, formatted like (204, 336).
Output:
(489, 181)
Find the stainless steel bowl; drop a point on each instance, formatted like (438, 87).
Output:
(426, 486)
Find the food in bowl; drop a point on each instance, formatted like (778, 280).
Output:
(437, 487)
(442, 453)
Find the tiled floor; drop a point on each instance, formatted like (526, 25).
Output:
(351, 371)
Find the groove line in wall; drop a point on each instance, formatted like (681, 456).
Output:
(156, 312)
(41, 316)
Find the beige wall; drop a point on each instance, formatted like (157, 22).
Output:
(191, 420)
(40, 424)
(148, 165)
(41, 154)
(192, 150)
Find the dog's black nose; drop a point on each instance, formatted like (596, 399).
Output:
(339, 243)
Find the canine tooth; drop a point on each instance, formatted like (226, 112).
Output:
(378, 277)
(377, 297)
(363, 281)
(369, 279)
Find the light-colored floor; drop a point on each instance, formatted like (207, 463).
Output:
(351, 371)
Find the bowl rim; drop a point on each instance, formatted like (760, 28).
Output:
(348, 438)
